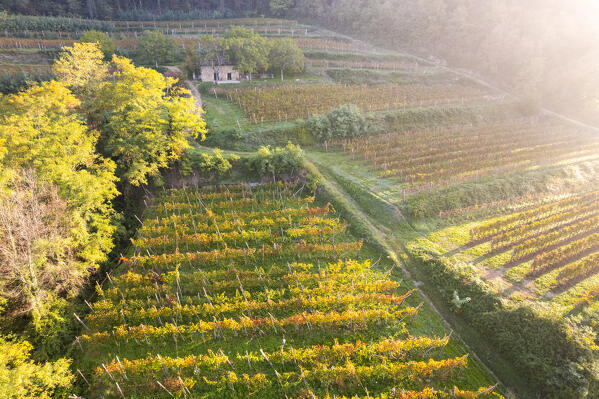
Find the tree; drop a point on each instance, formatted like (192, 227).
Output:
(57, 226)
(286, 56)
(213, 48)
(21, 378)
(38, 263)
(145, 120)
(154, 48)
(81, 66)
(106, 43)
(247, 49)
(278, 8)
(41, 130)
(192, 62)
(346, 121)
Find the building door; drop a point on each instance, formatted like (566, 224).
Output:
(229, 76)
(216, 76)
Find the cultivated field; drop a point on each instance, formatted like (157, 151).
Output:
(293, 101)
(239, 291)
(459, 153)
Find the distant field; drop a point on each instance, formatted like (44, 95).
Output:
(289, 102)
(419, 159)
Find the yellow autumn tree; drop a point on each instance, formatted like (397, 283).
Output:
(146, 121)
(81, 65)
(21, 378)
(56, 218)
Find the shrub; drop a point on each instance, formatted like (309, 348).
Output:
(346, 121)
(267, 161)
(209, 164)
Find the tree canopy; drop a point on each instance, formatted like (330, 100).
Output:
(247, 49)
(155, 48)
(346, 121)
(81, 64)
(106, 43)
(62, 154)
(21, 378)
(285, 56)
(146, 121)
(56, 218)
(143, 118)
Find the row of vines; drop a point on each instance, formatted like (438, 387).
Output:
(560, 237)
(302, 101)
(239, 291)
(445, 154)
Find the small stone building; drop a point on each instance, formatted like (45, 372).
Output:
(219, 73)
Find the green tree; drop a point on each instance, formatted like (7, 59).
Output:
(145, 120)
(346, 121)
(278, 8)
(106, 43)
(247, 49)
(213, 49)
(21, 378)
(154, 48)
(215, 164)
(192, 62)
(286, 56)
(272, 162)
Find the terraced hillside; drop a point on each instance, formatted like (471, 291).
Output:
(418, 159)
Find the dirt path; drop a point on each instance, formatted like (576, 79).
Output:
(393, 245)
(190, 85)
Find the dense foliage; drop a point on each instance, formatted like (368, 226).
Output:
(40, 130)
(155, 48)
(21, 378)
(144, 119)
(106, 43)
(210, 165)
(58, 192)
(13, 81)
(144, 9)
(272, 162)
(285, 56)
(344, 122)
(148, 122)
(248, 50)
